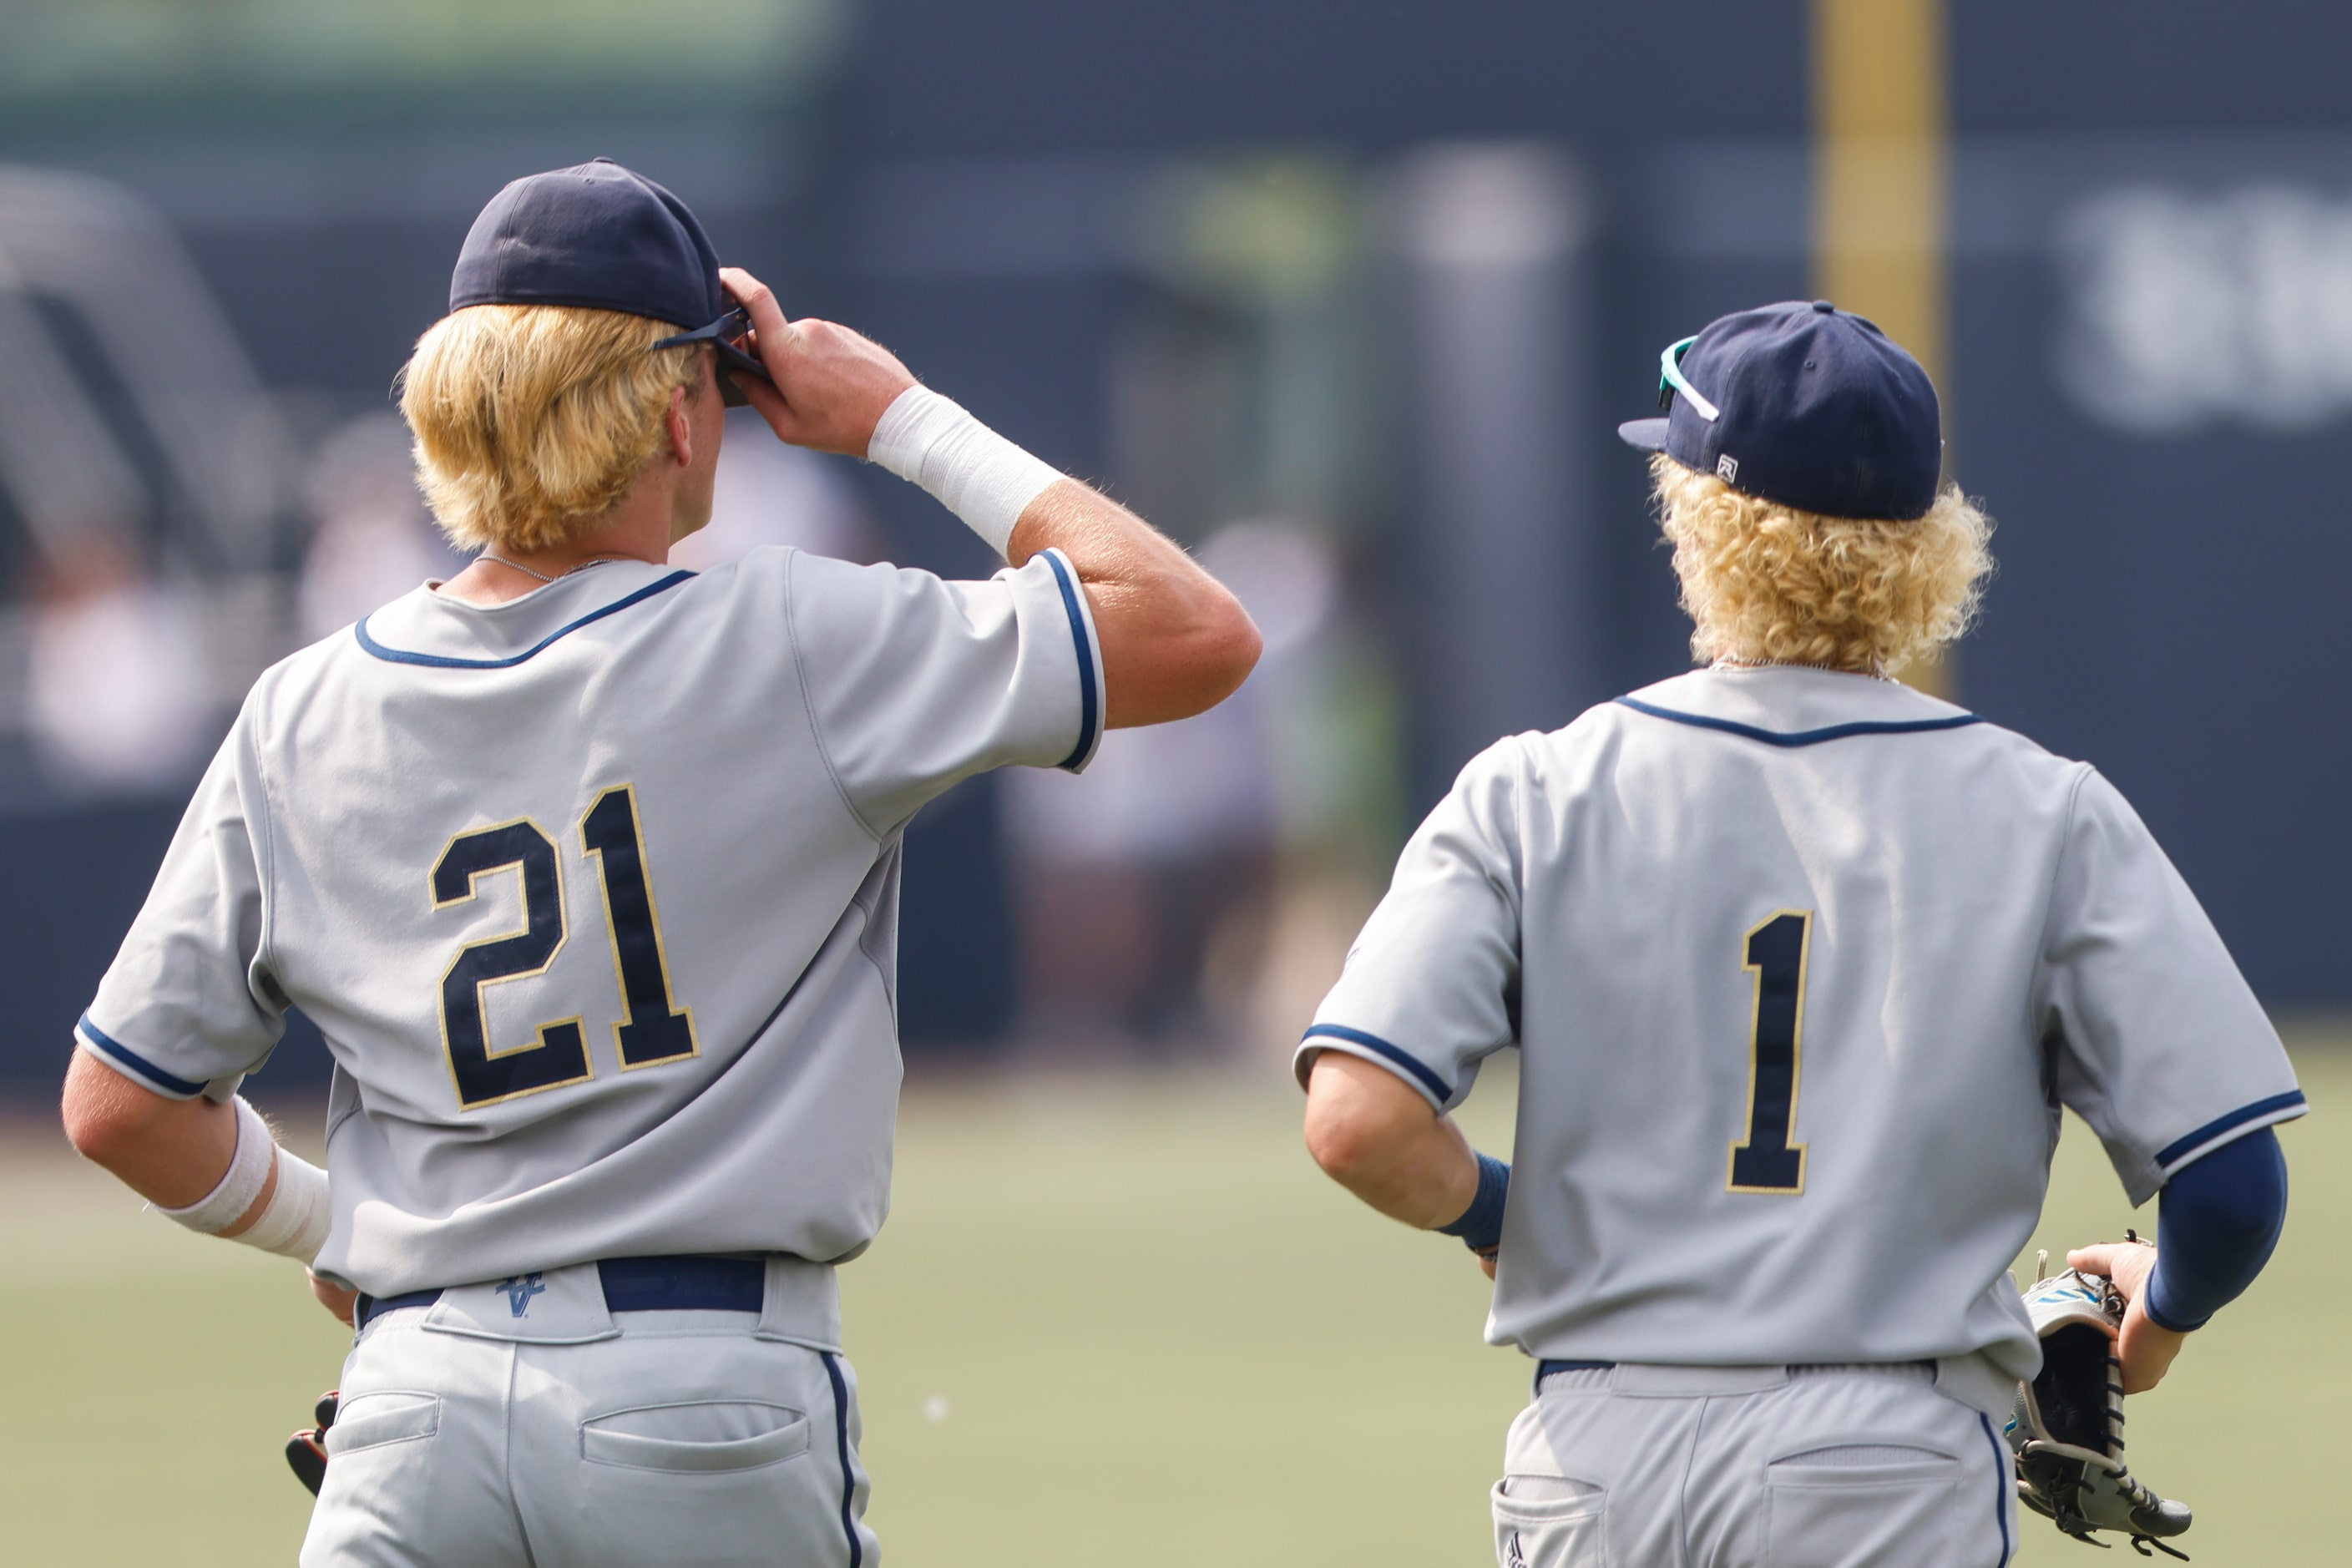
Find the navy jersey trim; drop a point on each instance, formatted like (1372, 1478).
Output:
(439, 661)
(1803, 737)
(1405, 1059)
(841, 1436)
(2002, 1491)
(2291, 1103)
(1089, 729)
(137, 1063)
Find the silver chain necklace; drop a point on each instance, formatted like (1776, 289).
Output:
(1735, 662)
(519, 566)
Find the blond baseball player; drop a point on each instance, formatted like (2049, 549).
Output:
(1801, 964)
(588, 868)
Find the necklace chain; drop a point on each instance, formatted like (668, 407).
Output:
(1736, 662)
(519, 566)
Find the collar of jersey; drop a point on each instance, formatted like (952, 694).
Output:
(1789, 705)
(433, 630)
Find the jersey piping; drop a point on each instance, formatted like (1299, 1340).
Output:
(125, 1056)
(1801, 737)
(441, 662)
(840, 1439)
(2245, 1118)
(1405, 1059)
(1089, 727)
(2000, 1492)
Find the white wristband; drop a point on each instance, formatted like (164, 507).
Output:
(976, 473)
(293, 1225)
(248, 1173)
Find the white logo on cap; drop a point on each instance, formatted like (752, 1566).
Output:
(1727, 470)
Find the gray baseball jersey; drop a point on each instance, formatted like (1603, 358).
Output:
(1802, 966)
(594, 895)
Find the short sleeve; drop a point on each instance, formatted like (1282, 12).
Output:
(2157, 1040)
(915, 683)
(187, 1006)
(1431, 988)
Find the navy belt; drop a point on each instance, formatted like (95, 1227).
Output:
(691, 1282)
(1544, 1369)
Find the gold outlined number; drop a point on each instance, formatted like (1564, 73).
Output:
(654, 1030)
(1774, 951)
(560, 1053)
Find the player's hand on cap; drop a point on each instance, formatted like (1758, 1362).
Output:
(2145, 1346)
(832, 384)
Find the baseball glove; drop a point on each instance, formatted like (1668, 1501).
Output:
(2066, 1429)
(306, 1451)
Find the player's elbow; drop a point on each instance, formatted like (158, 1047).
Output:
(95, 1131)
(1184, 659)
(1342, 1142)
(1354, 1139)
(1219, 650)
(104, 1125)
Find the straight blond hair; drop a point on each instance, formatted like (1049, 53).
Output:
(532, 421)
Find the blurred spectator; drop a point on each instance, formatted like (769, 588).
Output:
(1147, 883)
(374, 540)
(768, 493)
(119, 697)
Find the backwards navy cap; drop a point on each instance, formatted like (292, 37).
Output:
(602, 236)
(1803, 404)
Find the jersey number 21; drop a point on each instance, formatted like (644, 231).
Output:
(653, 1031)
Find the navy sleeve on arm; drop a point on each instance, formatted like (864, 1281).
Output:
(2216, 1224)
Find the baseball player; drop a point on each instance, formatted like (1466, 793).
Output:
(588, 871)
(1801, 965)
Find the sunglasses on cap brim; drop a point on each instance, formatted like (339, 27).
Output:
(1671, 381)
(726, 335)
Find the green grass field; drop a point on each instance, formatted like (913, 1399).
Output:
(1110, 1320)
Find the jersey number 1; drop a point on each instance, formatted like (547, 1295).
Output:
(654, 1030)
(1775, 954)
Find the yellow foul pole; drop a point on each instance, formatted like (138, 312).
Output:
(1879, 174)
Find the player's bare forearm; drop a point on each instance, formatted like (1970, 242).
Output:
(1378, 1138)
(1174, 641)
(170, 1151)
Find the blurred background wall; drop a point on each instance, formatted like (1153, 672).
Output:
(1347, 297)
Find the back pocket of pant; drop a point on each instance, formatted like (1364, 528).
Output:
(1547, 1522)
(372, 1420)
(696, 1438)
(1875, 1506)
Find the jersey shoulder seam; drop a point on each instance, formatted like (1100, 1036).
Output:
(2084, 770)
(266, 837)
(808, 699)
(1522, 793)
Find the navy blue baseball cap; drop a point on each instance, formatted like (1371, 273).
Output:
(602, 236)
(1803, 404)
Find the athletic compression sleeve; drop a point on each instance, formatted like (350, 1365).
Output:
(2216, 1224)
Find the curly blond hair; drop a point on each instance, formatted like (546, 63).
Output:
(1766, 582)
(531, 421)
